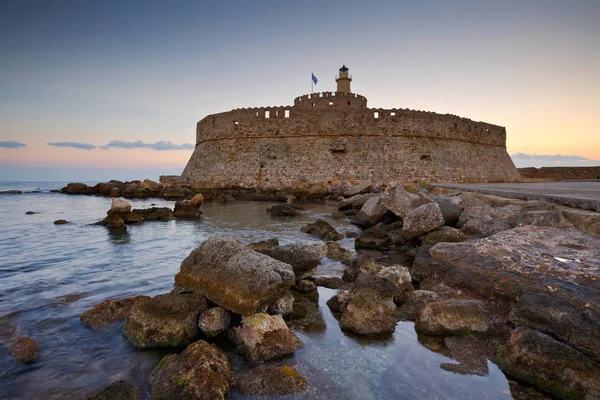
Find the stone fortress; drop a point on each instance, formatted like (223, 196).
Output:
(329, 137)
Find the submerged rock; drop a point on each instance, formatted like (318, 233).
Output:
(282, 210)
(340, 301)
(235, 277)
(413, 303)
(360, 264)
(167, 320)
(270, 380)
(452, 317)
(120, 390)
(61, 222)
(155, 213)
(323, 230)
(369, 313)
(200, 372)
(263, 337)
(215, 321)
(109, 311)
(25, 350)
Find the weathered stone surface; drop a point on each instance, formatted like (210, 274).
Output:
(197, 200)
(120, 390)
(361, 188)
(109, 311)
(187, 209)
(283, 305)
(360, 264)
(445, 234)
(336, 252)
(371, 213)
(550, 365)
(264, 245)
(133, 219)
(270, 380)
(307, 315)
(338, 215)
(61, 222)
(304, 257)
(355, 202)
(155, 213)
(119, 208)
(214, 321)
(400, 202)
(263, 337)
(224, 198)
(339, 302)
(452, 317)
(200, 372)
(481, 220)
(283, 210)
(77, 188)
(586, 221)
(167, 320)
(400, 279)
(540, 213)
(235, 277)
(421, 220)
(323, 230)
(368, 313)
(381, 237)
(562, 319)
(113, 221)
(413, 303)
(305, 286)
(25, 350)
(332, 282)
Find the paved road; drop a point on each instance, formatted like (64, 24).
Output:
(573, 194)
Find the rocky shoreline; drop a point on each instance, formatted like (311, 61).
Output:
(482, 278)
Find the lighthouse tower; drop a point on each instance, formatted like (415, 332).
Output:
(343, 80)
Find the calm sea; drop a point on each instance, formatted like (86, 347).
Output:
(42, 263)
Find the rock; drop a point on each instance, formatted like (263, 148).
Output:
(445, 234)
(282, 210)
(371, 213)
(214, 321)
(562, 319)
(332, 283)
(413, 303)
(586, 221)
(399, 277)
(540, 213)
(133, 219)
(305, 286)
(340, 301)
(25, 350)
(452, 317)
(167, 320)
(151, 186)
(270, 380)
(338, 215)
(368, 313)
(323, 230)
(304, 257)
(197, 200)
(307, 315)
(400, 202)
(186, 209)
(356, 201)
(481, 220)
(263, 337)
(450, 211)
(200, 372)
(235, 277)
(155, 213)
(361, 188)
(11, 192)
(381, 237)
(360, 264)
(120, 390)
(283, 305)
(550, 365)
(76, 188)
(264, 245)
(224, 198)
(109, 311)
(61, 222)
(421, 220)
(30, 212)
(113, 221)
(352, 234)
(119, 208)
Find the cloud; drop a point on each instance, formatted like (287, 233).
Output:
(75, 145)
(12, 145)
(161, 145)
(548, 160)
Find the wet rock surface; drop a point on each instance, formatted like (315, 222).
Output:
(369, 313)
(282, 210)
(270, 380)
(201, 371)
(421, 220)
(302, 256)
(322, 229)
(452, 317)
(120, 390)
(110, 311)
(445, 234)
(214, 321)
(188, 209)
(25, 350)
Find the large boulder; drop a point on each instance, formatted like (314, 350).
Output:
(235, 277)
(200, 372)
(283, 305)
(360, 264)
(323, 230)
(167, 320)
(550, 365)
(368, 313)
(270, 380)
(445, 234)
(452, 317)
(282, 210)
(25, 350)
(263, 337)
(187, 209)
(371, 213)
(361, 188)
(399, 278)
(381, 237)
(400, 202)
(77, 188)
(413, 303)
(541, 213)
(356, 201)
(339, 302)
(110, 311)
(421, 220)
(304, 257)
(120, 390)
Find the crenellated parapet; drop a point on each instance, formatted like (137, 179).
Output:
(331, 100)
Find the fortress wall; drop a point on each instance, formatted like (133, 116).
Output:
(561, 173)
(243, 149)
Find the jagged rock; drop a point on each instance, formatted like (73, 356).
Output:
(61, 222)
(381, 237)
(109, 311)
(584, 220)
(187, 209)
(400, 202)
(263, 337)
(77, 188)
(235, 277)
(200, 372)
(445, 234)
(305, 286)
(371, 213)
(369, 313)
(562, 319)
(361, 188)
(332, 282)
(155, 213)
(133, 219)
(25, 350)
(270, 380)
(399, 277)
(481, 220)
(360, 264)
(264, 245)
(450, 211)
(304, 257)
(540, 213)
(339, 302)
(338, 215)
(356, 201)
(214, 321)
(120, 390)
(421, 220)
(151, 186)
(452, 317)
(283, 305)
(550, 365)
(323, 230)
(119, 208)
(282, 210)
(167, 320)
(413, 303)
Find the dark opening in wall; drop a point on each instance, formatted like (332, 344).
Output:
(313, 104)
(348, 103)
(456, 125)
(425, 157)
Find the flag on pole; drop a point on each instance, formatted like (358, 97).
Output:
(314, 78)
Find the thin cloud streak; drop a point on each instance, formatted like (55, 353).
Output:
(523, 160)
(161, 145)
(12, 145)
(75, 145)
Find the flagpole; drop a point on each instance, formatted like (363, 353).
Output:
(311, 81)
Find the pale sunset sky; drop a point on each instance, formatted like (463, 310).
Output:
(113, 89)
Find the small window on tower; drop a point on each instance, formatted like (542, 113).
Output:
(277, 113)
(287, 113)
(331, 103)
(257, 114)
(348, 103)
(267, 114)
(313, 104)
(375, 115)
(236, 125)
(393, 114)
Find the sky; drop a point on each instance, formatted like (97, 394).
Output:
(116, 87)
